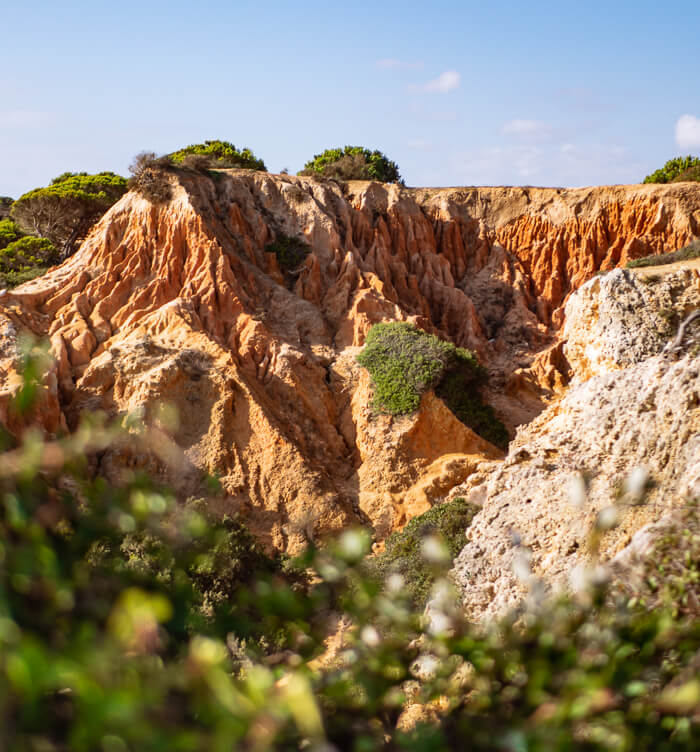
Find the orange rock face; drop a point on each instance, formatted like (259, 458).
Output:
(181, 303)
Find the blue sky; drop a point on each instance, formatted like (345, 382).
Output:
(458, 93)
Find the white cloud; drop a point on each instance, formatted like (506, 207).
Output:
(419, 144)
(688, 132)
(562, 164)
(23, 118)
(391, 63)
(531, 131)
(524, 127)
(445, 82)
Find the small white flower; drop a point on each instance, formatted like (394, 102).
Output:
(435, 551)
(607, 518)
(354, 544)
(580, 578)
(395, 583)
(439, 623)
(370, 636)
(577, 491)
(522, 565)
(636, 483)
(425, 667)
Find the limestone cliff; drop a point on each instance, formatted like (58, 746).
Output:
(182, 303)
(631, 408)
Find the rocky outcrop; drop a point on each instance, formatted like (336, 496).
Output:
(183, 303)
(631, 411)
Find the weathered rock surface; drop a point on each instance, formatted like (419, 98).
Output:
(182, 303)
(622, 317)
(628, 407)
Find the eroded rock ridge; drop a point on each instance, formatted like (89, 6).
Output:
(184, 303)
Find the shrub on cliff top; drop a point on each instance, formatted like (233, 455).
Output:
(405, 362)
(673, 169)
(353, 163)
(149, 177)
(692, 175)
(222, 154)
(66, 209)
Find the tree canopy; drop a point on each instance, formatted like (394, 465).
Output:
(353, 163)
(67, 208)
(674, 169)
(222, 154)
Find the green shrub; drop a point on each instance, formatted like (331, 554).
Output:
(457, 391)
(13, 278)
(27, 251)
(66, 209)
(353, 163)
(690, 251)
(23, 257)
(222, 154)
(673, 169)
(405, 362)
(9, 232)
(403, 552)
(290, 252)
(692, 174)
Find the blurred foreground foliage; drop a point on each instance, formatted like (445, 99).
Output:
(129, 621)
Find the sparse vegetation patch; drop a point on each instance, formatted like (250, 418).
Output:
(290, 252)
(690, 251)
(445, 524)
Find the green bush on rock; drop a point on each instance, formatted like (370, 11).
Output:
(405, 362)
(673, 169)
(9, 232)
(446, 523)
(221, 154)
(290, 252)
(353, 163)
(23, 257)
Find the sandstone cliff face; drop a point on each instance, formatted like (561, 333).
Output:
(629, 406)
(181, 303)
